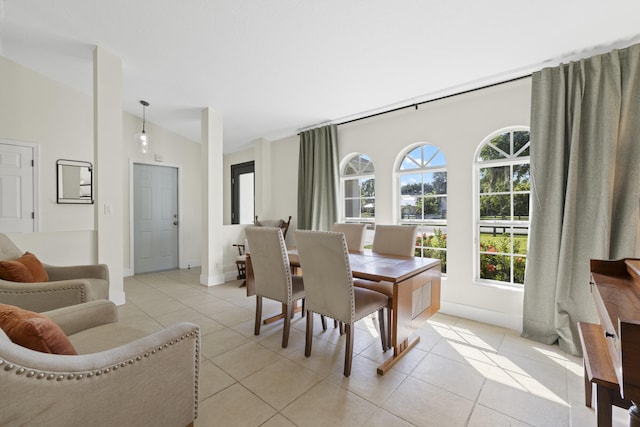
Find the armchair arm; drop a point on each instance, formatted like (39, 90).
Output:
(96, 271)
(150, 381)
(45, 296)
(76, 318)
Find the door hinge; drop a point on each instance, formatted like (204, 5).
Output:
(33, 215)
(33, 163)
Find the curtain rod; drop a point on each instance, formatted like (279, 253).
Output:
(417, 104)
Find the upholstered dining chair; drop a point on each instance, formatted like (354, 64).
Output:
(272, 274)
(329, 287)
(353, 234)
(397, 240)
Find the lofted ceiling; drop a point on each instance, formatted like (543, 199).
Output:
(272, 67)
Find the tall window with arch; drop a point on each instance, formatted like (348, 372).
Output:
(358, 189)
(422, 175)
(502, 199)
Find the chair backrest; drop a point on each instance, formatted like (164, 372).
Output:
(328, 282)
(353, 234)
(397, 240)
(281, 223)
(270, 262)
(8, 250)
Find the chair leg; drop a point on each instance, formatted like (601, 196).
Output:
(383, 332)
(303, 310)
(309, 334)
(288, 309)
(324, 322)
(341, 328)
(256, 329)
(348, 351)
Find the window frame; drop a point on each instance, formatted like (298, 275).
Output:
(511, 224)
(359, 176)
(423, 223)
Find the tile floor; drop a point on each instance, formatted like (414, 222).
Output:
(461, 373)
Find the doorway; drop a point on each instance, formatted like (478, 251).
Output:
(243, 193)
(17, 187)
(155, 218)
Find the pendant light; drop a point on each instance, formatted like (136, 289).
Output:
(142, 139)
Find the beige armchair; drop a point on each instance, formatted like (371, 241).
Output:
(148, 381)
(67, 285)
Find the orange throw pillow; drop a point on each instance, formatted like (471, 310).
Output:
(34, 331)
(35, 267)
(15, 271)
(27, 268)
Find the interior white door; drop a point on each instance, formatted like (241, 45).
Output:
(155, 217)
(16, 188)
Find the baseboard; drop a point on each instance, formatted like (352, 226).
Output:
(212, 280)
(509, 321)
(127, 272)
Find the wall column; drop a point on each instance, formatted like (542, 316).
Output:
(263, 178)
(108, 173)
(212, 197)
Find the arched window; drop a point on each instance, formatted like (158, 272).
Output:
(422, 178)
(502, 200)
(358, 189)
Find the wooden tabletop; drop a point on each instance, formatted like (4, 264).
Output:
(374, 266)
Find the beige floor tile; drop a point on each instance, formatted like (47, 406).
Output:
(515, 401)
(328, 405)
(382, 418)
(221, 341)
(423, 404)
(208, 325)
(184, 315)
(281, 383)
(365, 381)
(214, 307)
(233, 406)
(461, 352)
(211, 380)
(550, 354)
(278, 421)
(409, 361)
(325, 358)
(244, 360)
(463, 379)
(484, 417)
(233, 317)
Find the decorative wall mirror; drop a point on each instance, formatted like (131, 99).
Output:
(75, 182)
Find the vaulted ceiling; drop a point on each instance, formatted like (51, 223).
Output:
(272, 67)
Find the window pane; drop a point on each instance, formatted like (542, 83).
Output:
(352, 208)
(411, 184)
(494, 180)
(409, 208)
(520, 139)
(440, 254)
(521, 177)
(349, 170)
(367, 187)
(435, 183)
(368, 207)
(352, 188)
(503, 142)
(519, 266)
(413, 160)
(433, 207)
(520, 240)
(489, 153)
(495, 267)
(494, 207)
(521, 207)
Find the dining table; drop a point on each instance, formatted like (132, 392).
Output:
(416, 292)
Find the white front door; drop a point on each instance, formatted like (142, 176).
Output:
(16, 188)
(155, 218)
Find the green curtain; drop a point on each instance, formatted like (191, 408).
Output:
(318, 178)
(585, 170)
